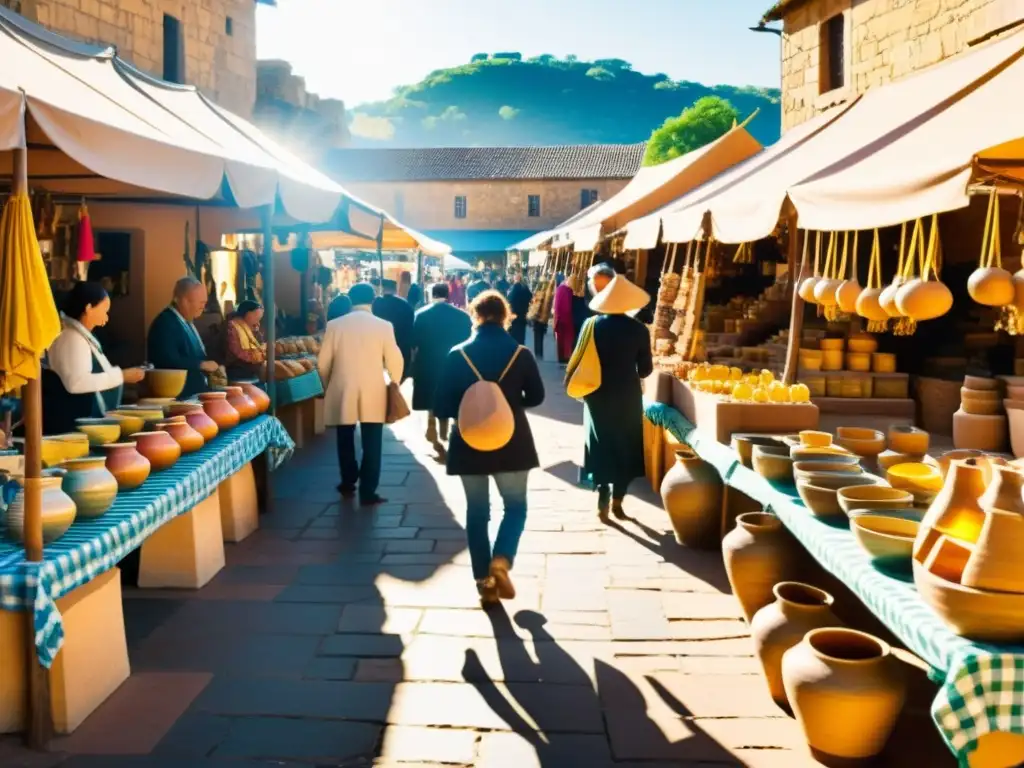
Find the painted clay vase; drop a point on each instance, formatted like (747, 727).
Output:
(201, 422)
(127, 465)
(182, 408)
(58, 511)
(90, 485)
(255, 393)
(159, 447)
(846, 690)
(759, 553)
(994, 562)
(217, 408)
(691, 493)
(798, 608)
(242, 403)
(183, 434)
(955, 512)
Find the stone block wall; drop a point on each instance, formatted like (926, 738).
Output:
(309, 124)
(884, 40)
(223, 65)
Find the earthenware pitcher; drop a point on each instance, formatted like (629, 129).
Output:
(691, 493)
(759, 553)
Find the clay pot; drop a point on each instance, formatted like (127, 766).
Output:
(994, 563)
(955, 512)
(806, 289)
(90, 485)
(759, 553)
(846, 690)
(58, 511)
(217, 408)
(798, 608)
(869, 307)
(981, 432)
(127, 465)
(255, 393)
(183, 434)
(847, 294)
(991, 286)
(691, 492)
(887, 298)
(201, 422)
(923, 299)
(242, 403)
(825, 291)
(159, 447)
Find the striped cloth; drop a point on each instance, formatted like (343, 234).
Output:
(981, 687)
(91, 547)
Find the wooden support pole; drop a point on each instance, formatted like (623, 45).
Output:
(380, 253)
(269, 302)
(796, 318)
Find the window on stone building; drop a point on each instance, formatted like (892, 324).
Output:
(533, 205)
(229, 26)
(460, 206)
(174, 50)
(833, 53)
(587, 198)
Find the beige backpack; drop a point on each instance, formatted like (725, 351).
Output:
(486, 421)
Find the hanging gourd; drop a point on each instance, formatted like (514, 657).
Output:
(825, 288)
(806, 289)
(990, 284)
(887, 299)
(923, 298)
(849, 289)
(868, 305)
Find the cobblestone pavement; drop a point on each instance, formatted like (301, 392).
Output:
(341, 636)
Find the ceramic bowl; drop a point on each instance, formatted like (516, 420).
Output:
(889, 540)
(744, 444)
(976, 614)
(812, 438)
(905, 513)
(833, 454)
(822, 502)
(837, 480)
(165, 382)
(980, 383)
(888, 459)
(130, 423)
(99, 431)
(772, 463)
(916, 477)
(55, 449)
(147, 415)
(802, 468)
(874, 497)
(861, 441)
(907, 439)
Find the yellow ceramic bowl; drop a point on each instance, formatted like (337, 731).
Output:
(130, 423)
(165, 382)
(907, 439)
(831, 453)
(823, 500)
(915, 477)
(889, 540)
(861, 497)
(858, 361)
(860, 440)
(772, 463)
(99, 431)
(146, 414)
(832, 467)
(810, 438)
(744, 444)
(883, 362)
(58, 448)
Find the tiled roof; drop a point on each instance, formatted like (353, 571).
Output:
(570, 161)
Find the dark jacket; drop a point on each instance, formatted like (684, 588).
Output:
(490, 348)
(519, 298)
(437, 329)
(475, 288)
(397, 311)
(415, 296)
(170, 345)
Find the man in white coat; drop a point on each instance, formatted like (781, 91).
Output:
(357, 350)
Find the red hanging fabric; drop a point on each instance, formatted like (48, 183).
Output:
(86, 243)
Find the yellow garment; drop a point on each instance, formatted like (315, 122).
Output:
(246, 337)
(583, 374)
(29, 322)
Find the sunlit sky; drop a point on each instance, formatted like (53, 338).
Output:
(359, 50)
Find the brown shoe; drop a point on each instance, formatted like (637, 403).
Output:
(499, 572)
(618, 511)
(488, 590)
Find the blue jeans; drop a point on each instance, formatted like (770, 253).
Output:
(512, 487)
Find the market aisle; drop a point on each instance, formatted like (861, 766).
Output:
(336, 636)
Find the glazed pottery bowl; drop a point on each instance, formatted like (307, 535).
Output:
(887, 459)
(130, 423)
(159, 447)
(165, 382)
(744, 444)
(828, 479)
(874, 497)
(772, 463)
(976, 614)
(822, 502)
(99, 431)
(919, 478)
(144, 415)
(907, 439)
(904, 513)
(804, 469)
(811, 438)
(889, 540)
(129, 467)
(90, 485)
(58, 448)
(832, 453)
(861, 441)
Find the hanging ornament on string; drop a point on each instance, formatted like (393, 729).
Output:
(868, 302)
(806, 286)
(825, 290)
(903, 325)
(849, 289)
(922, 298)
(85, 251)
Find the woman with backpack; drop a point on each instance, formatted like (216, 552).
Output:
(487, 384)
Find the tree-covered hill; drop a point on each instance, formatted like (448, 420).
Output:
(503, 99)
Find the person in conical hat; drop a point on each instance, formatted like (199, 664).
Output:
(613, 414)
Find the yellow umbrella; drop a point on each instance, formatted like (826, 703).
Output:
(28, 317)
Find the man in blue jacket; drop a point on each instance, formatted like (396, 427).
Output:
(173, 341)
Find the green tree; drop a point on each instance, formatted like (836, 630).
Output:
(513, 55)
(614, 64)
(700, 124)
(599, 73)
(478, 57)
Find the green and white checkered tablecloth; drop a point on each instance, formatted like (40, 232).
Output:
(91, 547)
(981, 687)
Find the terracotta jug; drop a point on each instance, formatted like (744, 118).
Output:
(242, 403)
(798, 608)
(255, 393)
(126, 464)
(995, 560)
(846, 690)
(58, 511)
(183, 434)
(197, 418)
(759, 553)
(691, 493)
(159, 447)
(90, 485)
(956, 511)
(217, 408)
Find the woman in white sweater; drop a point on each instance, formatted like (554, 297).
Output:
(78, 380)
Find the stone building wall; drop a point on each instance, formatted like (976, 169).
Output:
(309, 124)
(883, 40)
(219, 60)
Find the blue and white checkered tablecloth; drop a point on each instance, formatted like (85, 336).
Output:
(91, 547)
(981, 686)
